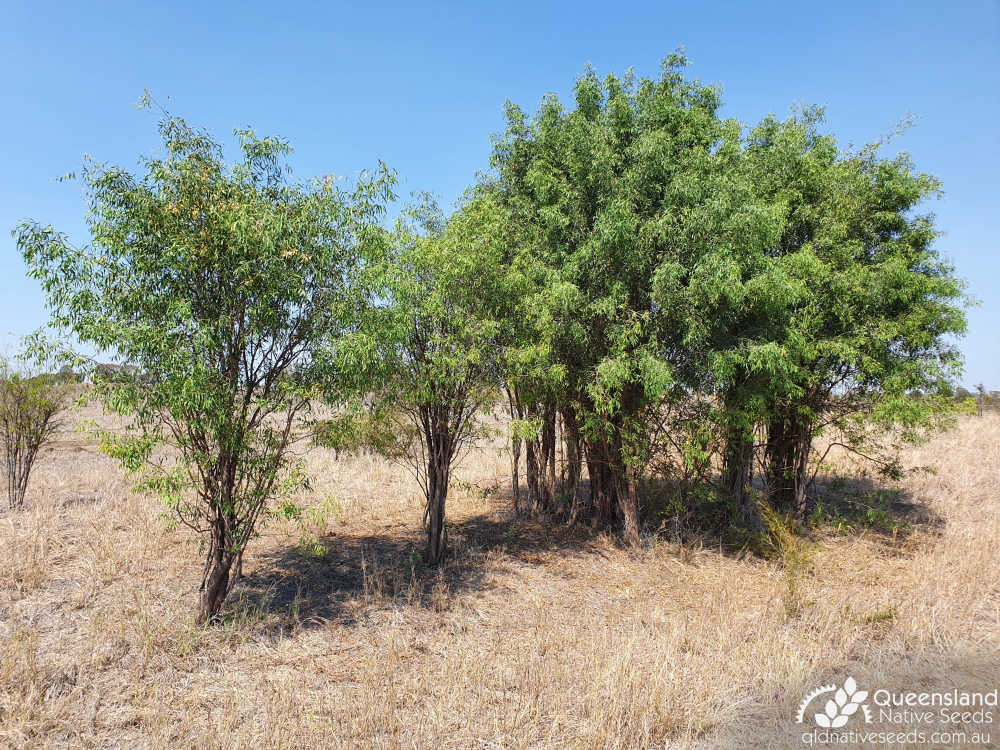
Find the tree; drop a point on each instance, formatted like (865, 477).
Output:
(429, 338)
(221, 287)
(860, 307)
(677, 257)
(739, 288)
(609, 198)
(29, 418)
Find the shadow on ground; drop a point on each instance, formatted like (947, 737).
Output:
(325, 581)
(313, 589)
(702, 514)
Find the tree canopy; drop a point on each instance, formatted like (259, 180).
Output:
(221, 286)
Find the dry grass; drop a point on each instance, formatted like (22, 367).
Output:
(532, 636)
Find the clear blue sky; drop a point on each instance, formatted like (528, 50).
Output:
(422, 85)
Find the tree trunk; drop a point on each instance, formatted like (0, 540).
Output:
(574, 465)
(438, 470)
(550, 440)
(779, 458)
(602, 488)
(628, 500)
(531, 471)
(437, 535)
(624, 479)
(515, 472)
(737, 474)
(789, 441)
(19, 459)
(738, 453)
(516, 412)
(216, 584)
(801, 477)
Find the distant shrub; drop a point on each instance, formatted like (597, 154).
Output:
(67, 376)
(29, 417)
(357, 432)
(967, 406)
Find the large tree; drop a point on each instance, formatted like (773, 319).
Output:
(623, 201)
(873, 319)
(847, 312)
(218, 284)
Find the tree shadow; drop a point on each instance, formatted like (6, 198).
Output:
(340, 577)
(702, 513)
(854, 504)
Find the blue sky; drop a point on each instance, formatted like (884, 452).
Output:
(422, 85)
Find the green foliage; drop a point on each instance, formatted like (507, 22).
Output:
(30, 406)
(661, 289)
(967, 406)
(667, 255)
(356, 430)
(289, 510)
(223, 288)
(871, 309)
(601, 197)
(428, 340)
(628, 212)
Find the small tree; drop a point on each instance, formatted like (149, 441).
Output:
(219, 286)
(431, 338)
(29, 417)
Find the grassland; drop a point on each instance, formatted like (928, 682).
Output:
(533, 635)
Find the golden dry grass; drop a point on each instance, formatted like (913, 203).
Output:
(532, 636)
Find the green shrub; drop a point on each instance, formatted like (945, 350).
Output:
(29, 417)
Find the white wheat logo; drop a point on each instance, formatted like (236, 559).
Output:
(844, 704)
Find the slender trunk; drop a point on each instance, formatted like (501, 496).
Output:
(550, 440)
(802, 473)
(603, 490)
(437, 535)
(515, 471)
(516, 412)
(592, 472)
(562, 460)
(574, 464)
(531, 470)
(438, 470)
(778, 453)
(216, 584)
(19, 461)
(738, 453)
(737, 474)
(544, 456)
(628, 500)
(624, 479)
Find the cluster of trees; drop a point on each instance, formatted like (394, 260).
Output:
(650, 291)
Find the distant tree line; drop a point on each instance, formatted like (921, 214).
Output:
(649, 292)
